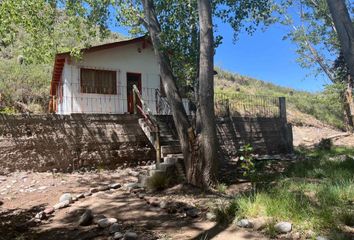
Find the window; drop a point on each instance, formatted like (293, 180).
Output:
(98, 81)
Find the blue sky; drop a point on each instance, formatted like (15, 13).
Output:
(264, 56)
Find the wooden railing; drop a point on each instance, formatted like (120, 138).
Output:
(150, 120)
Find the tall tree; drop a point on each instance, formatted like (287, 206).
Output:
(315, 34)
(345, 32)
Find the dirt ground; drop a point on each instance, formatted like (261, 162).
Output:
(310, 135)
(24, 194)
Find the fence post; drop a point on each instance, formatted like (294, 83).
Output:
(282, 108)
(134, 102)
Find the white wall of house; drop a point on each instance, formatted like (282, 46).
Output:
(125, 59)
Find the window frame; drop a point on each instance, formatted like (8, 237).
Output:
(98, 70)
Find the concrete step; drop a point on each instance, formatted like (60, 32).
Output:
(153, 172)
(170, 149)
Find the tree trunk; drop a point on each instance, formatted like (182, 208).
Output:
(206, 131)
(199, 161)
(349, 105)
(179, 114)
(345, 30)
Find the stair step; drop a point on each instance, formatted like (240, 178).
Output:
(155, 172)
(170, 149)
(166, 166)
(170, 143)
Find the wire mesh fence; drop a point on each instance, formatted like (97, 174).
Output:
(246, 105)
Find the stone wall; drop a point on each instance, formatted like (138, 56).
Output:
(45, 142)
(266, 135)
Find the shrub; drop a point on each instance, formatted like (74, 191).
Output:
(158, 182)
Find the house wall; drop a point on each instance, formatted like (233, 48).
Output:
(122, 60)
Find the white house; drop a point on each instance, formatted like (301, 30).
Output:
(101, 81)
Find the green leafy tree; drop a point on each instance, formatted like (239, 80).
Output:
(318, 48)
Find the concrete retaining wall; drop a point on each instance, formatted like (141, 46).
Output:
(45, 142)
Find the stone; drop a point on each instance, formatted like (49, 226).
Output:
(74, 199)
(321, 238)
(115, 227)
(211, 216)
(283, 227)
(296, 235)
(103, 188)
(154, 202)
(130, 236)
(141, 195)
(61, 205)
(86, 218)
(98, 217)
(81, 195)
(66, 197)
(192, 212)
(94, 190)
(106, 222)
(260, 223)
(130, 186)
(1, 202)
(244, 223)
(163, 204)
(115, 185)
(117, 235)
(49, 210)
(42, 188)
(41, 215)
(87, 194)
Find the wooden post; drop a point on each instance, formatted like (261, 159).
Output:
(134, 101)
(157, 145)
(282, 108)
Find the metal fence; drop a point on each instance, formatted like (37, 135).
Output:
(246, 105)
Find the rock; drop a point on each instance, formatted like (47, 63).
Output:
(260, 223)
(98, 217)
(115, 227)
(117, 235)
(141, 195)
(192, 212)
(66, 197)
(115, 185)
(130, 236)
(42, 188)
(103, 188)
(106, 222)
(87, 194)
(49, 210)
(81, 195)
(321, 238)
(75, 199)
(60, 205)
(295, 235)
(86, 218)
(211, 216)
(163, 204)
(154, 202)
(41, 215)
(133, 173)
(94, 190)
(244, 223)
(283, 227)
(130, 186)
(1, 203)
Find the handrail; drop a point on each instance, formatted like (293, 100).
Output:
(162, 106)
(148, 115)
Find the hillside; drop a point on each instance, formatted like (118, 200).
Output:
(303, 108)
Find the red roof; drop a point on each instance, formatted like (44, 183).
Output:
(60, 58)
